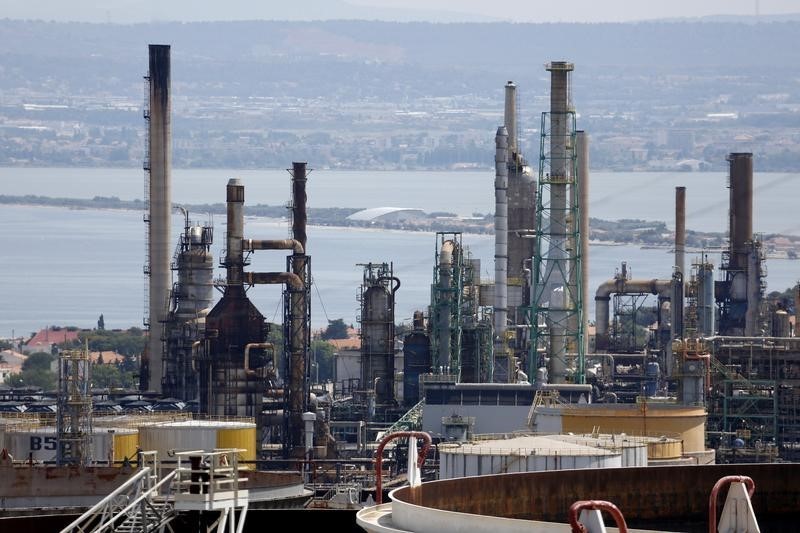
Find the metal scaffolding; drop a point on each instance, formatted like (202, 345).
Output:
(557, 306)
(446, 304)
(74, 419)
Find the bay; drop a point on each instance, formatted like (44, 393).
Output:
(65, 267)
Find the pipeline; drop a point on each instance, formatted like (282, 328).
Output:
(265, 345)
(661, 287)
(379, 457)
(251, 245)
(273, 278)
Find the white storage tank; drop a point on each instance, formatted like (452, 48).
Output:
(40, 444)
(521, 454)
(199, 435)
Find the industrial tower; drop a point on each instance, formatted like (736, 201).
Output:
(557, 322)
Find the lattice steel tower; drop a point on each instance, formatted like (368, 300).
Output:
(74, 422)
(556, 300)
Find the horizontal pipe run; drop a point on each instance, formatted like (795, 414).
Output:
(251, 245)
(273, 278)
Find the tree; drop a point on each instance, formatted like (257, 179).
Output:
(323, 353)
(336, 329)
(35, 372)
(101, 323)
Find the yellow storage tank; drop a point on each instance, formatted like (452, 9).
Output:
(166, 437)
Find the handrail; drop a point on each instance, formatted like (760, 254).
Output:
(134, 503)
(119, 490)
(712, 501)
(379, 456)
(595, 505)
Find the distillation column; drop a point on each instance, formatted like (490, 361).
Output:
(160, 193)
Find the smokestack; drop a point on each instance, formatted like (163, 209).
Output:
(741, 208)
(299, 327)
(160, 165)
(582, 149)
(234, 258)
(501, 231)
(680, 228)
(559, 265)
(510, 119)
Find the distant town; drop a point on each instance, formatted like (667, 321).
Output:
(362, 95)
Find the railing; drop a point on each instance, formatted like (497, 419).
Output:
(110, 505)
(208, 476)
(412, 420)
(143, 507)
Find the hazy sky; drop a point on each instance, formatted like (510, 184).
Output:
(595, 10)
(125, 11)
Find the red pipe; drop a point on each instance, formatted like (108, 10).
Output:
(379, 456)
(599, 505)
(712, 502)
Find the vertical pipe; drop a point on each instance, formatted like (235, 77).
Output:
(680, 228)
(510, 117)
(160, 150)
(501, 232)
(582, 146)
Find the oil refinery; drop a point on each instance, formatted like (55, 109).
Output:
(523, 403)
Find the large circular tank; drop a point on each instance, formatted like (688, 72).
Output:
(40, 444)
(199, 435)
(523, 454)
(653, 419)
(417, 361)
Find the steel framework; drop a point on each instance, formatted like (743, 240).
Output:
(556, 304)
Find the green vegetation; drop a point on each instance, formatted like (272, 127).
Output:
(36, 372)
(336, 329)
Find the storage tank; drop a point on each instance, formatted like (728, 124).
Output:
(521, 454)
(686, 423)
(199, 435)
(40, 444)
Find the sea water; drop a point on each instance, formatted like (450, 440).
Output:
(62, 266)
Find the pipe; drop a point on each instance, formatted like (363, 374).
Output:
(195, 346)
(251, 245)
(159, 164)
(680, 228)
(379, 456)
(582, 145)
(712, 500)
(265, 345)
(598, 505)
(501, 233)
(273, 278)
(619, 285)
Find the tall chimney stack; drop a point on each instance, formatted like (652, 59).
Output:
(160, 198)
